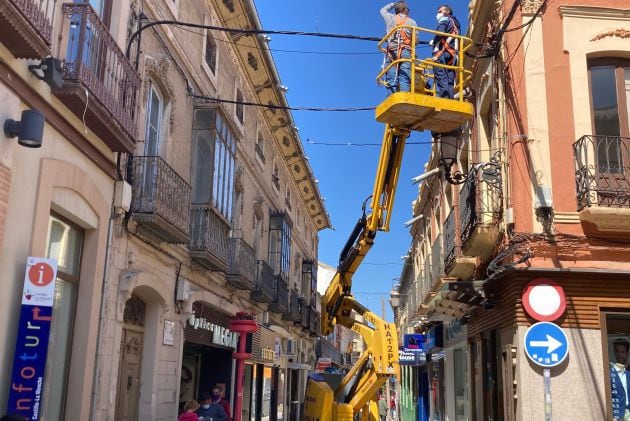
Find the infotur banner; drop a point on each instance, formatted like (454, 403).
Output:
(31, 347)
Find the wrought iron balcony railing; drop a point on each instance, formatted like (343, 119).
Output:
(293, 313)
(314, 320)
(602, 171)
(437, 259)
(100, 83)
(280, 302)
(27, 27)
(304, 312)
(450, 241)
(209, 235)
(241, 271)
(161, 199)
(480, 200)
(264, 288)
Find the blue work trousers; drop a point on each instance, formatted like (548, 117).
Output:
(399, 75)
(444, 78)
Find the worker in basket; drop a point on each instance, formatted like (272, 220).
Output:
(399, 46)
(445, 51)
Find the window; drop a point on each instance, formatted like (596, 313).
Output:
(155, 105)
(275, 176)
(260, 147)
(238, 110)
(287, 198)
(610, 101)
(280, 244)
(309, 280)
(213, 162)
(65, 242)
(610, 96)
(211, 52)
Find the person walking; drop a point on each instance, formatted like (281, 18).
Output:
(399, 46)
(445, 49)
(382, 407)
(209, 410)
(218, 398)
(189, 411)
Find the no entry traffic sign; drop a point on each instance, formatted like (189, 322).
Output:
(544, 300)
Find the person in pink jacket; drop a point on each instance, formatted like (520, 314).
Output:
(190, 409)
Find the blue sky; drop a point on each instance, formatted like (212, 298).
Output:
(346, 173)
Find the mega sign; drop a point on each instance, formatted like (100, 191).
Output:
(220, 335)
(31, 347)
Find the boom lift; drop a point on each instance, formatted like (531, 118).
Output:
(401, 112)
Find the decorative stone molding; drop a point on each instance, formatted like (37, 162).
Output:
(258, 212)
(128, 280)
(159, 72)
(529, 7)
(618, 33)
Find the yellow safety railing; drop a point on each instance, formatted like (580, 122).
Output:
(422, 69)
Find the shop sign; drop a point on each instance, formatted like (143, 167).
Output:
(455, 332)
(220, 335)
(414, 342)
(267, 351)
(31, 347)
(412, 357)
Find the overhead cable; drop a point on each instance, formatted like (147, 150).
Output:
(279, 107)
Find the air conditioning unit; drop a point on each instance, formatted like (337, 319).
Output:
(290, 347)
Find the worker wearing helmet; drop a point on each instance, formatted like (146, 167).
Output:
(445, 50)
(398, 77)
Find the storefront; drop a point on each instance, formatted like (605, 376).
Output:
(435, 371)
(207, 357)
(264, 386)
(456, 371)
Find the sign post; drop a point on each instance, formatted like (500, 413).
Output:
(31, 347)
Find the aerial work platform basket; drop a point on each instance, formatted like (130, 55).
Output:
(421, 108)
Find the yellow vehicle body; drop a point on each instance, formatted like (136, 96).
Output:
(343, 399)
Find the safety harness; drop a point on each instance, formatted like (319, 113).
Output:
(446, 45)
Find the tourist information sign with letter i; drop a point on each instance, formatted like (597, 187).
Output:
(546, 344)
(31, 345)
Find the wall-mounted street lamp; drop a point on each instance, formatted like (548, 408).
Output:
(29, 130)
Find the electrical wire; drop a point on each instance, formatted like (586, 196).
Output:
(341, 53)
(246, 32)
(279, 107)
(533, 18)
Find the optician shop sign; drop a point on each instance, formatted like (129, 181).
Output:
(31, 347)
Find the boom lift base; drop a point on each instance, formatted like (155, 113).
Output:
(419, 112)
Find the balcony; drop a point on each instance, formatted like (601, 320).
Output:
(314, 319)
(27, 27)
(209, 234)
(455, 265)
(241, 271)
(480, 211)
(99, 82)
(437, 259)
(280, 302)
(602, 177)
(293, 314)
(304, 314)
(161, 199)
(264, 288)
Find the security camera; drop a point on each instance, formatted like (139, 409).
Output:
(422, 177)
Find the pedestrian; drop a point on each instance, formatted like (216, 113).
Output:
(445, 49)
(382, 407)
(218, 397)
(399, 46)
(189, 411)
(620, 382)
(209, 410)
(392, 406)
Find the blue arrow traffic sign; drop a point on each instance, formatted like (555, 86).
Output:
(546, 344)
